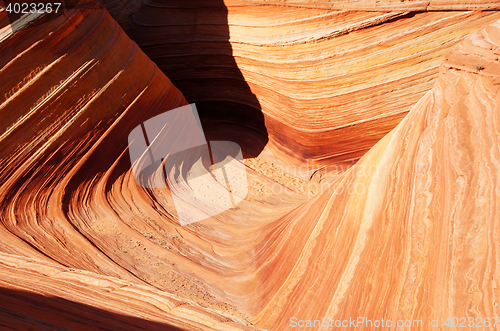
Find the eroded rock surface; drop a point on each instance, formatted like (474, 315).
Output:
(329, 83)
(410, 232)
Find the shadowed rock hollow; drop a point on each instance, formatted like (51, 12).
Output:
(409, 232)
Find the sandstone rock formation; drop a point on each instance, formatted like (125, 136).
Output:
(39, 295)
(410, 232)
(122, 11)
(375, 5)
(329, 83)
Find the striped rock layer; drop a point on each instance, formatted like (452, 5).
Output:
(329, 78)
(72, 89)
(409, 232)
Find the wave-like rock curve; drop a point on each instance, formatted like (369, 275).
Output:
(329, 83)
(409, 232)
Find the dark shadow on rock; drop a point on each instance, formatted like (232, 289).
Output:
(22, 310)
(189, 41)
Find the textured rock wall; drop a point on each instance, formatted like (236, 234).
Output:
(42, 295)
(329, 83)
(72, 90)
(409, 232)
(375, 5)
(69, 91)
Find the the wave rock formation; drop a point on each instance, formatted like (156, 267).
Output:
(409, 232)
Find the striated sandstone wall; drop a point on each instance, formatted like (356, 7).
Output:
(329, 83)
(409, 232)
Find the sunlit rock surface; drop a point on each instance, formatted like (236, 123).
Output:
(410, 232)
(329, 83)
(37, 295)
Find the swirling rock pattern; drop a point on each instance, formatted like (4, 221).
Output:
(329, 83)
(104, 303)
(409, 232)
(72, 90)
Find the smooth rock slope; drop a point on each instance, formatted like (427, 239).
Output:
(72, 89)
(330, 83)
(410, 232)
